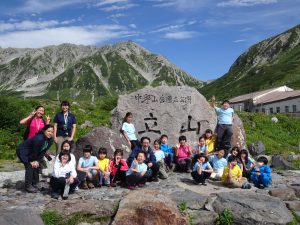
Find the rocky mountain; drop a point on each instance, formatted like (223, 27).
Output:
(271, 63)
(86, 72)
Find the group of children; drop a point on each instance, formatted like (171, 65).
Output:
(145, 164)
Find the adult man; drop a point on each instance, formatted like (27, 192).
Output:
(64, 125)
(224, 127)
(150, 161)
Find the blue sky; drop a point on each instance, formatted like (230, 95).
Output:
(202, 37)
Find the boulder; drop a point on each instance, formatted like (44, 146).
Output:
(148, 207)
(252, 208)
(194, 200)
(296, 188)
(175, 111)
(202, 217)
(257, 148)
(285, 194)
(87, 124)
(239, 134)
(102, 137)
(279, 162)
(19, 216)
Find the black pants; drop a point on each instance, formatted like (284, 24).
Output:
(119, 176)
(135, 178)
(134, 143)
(58, 184)
(152, 171)
(200, 178)
(31, 175)
(185, 164)
(224, 134)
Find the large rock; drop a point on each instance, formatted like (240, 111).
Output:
(102, 137)
(239, 134)
(148, 207)
(19, 216)
(279, 162)
(285, 193)
(174, 111)
(252, 208)
(257, 148)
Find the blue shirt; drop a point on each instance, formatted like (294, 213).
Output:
(224, 116)
(64, 124)
(217, 163)
(197, 148)
(84, 162)
(130, 130)
(159, 155)
(142, 167)
(205, 166)
(166, 148)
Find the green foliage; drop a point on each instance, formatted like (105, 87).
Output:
(296, 218)
(280, 137)
(54, 218)
(225, 217)
(182, 207)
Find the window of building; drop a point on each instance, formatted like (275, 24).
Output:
(257, 110)
(286, 109)
(263, 110)
(271, 110)
(294, 108)
(278, 109)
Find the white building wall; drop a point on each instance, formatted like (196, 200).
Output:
(238, 106)
(282, 105)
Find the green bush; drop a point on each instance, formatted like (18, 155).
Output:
(225, 218)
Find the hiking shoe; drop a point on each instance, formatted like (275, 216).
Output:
(31, 189)
(113, 185)
(154, 179)
(54, 195)
(141, 185)
(246, 186)
(204, 184)
(90, 185)
(84, 185)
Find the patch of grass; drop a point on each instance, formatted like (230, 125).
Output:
(51, 218)
(183, 207)
(296, 219)
(225, 217)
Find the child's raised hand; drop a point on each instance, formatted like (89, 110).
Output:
(135, 161)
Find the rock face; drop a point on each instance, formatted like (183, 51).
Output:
(173, 111)
(257, 148)
(239, 134)
(102, 137)
(19, 217)
(253, 208)
(279, 162)
(148, 207)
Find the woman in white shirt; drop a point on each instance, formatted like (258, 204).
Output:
(64, 176)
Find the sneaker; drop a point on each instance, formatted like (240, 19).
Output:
(90, 185)
(99, 185)
(154, 179)
(54, 195)
(113, 185)
(141, 185)
(246, 186)
(189, 171)
(31, 189)
(204, 184)
(84, 185)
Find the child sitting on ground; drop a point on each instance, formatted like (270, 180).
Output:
(183, 153)
(160, 156)
(235, 151)
(103, 162)
(118, 168)
(246, 163)
(218, 163)
(232, 175)
(66, 145)
(202, 169)
(87, 168)
(135, 176)
(261, 175)
(169, 153)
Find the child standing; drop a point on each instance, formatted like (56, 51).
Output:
(118, 168)
(210, 140)
(136, 174)
(183, 154)
(103, 162)
(218, 163)
(169, 153)
(261, 176)
(128, 131)
(87, 168)
(202, 169)
(232, 175)
(160, 156)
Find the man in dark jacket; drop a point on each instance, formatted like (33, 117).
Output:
(150, 161)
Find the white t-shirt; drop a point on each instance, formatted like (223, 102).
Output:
(73, 160)
(61, 171)
(130, 130)
(159, 155)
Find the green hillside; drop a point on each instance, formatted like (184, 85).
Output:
(271, 63)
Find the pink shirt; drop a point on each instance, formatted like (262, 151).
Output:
(183, 152)
(36, 125)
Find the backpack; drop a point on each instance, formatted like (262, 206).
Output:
(26, 133)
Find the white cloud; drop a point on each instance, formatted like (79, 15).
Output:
(132, 25)
(27, 25)
(86, 35)
(175, 27)
(182, 5)
(118, 7)
(179, 35)
(238, 3)
(46, 5)
(109, 2)
(239, 40)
